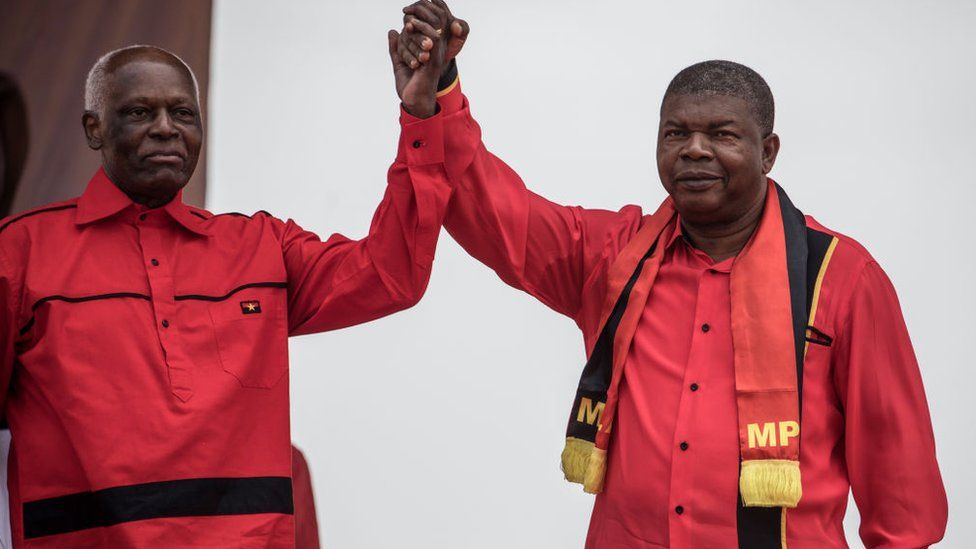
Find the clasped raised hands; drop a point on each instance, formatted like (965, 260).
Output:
(430, 39)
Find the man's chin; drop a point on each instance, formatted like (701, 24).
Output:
(164, 182)
(697, 206)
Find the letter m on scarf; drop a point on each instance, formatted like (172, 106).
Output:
(588, 412)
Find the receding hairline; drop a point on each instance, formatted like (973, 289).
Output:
(108, 64)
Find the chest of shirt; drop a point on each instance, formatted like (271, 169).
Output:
(130, 291)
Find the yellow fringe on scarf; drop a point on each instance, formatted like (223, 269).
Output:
(770, 483)
(584, 463)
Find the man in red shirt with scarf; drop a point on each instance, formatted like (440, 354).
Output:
(747, 366)
(143, 342)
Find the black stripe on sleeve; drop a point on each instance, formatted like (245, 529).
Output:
(201, 497)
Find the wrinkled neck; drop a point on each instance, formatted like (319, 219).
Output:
(725, 240)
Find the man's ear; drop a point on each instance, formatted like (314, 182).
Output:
(93, 130)
(770, 148)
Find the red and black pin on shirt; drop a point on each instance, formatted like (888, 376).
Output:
(252, 307)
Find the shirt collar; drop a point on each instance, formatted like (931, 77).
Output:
(678, 235)
(102, 199)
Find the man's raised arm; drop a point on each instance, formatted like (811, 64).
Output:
(341, 282)
(535, 245)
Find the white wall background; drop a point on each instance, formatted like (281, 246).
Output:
(415, 434)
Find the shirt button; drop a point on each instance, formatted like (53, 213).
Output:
(694, 387)
(155, 263)
(679, 509)
(417, 144)
(706, 328)
(165, 323)
(683, 446)
(142, 217)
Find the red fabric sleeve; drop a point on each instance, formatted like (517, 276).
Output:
(535, 245)
(889, 441)
(306, 525)
(341, 282)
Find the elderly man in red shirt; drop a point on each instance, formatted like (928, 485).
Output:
(747, 367)
(143, 342)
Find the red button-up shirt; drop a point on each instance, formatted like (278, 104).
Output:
(144, 356)
(865, 424)
(665, 433)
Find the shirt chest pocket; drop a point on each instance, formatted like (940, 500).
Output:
(252, 339)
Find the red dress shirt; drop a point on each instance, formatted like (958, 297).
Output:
(144, 355)
(674, 457)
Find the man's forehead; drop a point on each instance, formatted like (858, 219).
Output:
(149, 76)
(682, 106)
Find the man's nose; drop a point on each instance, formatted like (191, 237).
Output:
(163, 126)
(697, 147)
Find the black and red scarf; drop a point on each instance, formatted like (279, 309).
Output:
(774, 286)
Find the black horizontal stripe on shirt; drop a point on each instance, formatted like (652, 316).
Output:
(199, 497)
(36, 212)
(43, 300)
(232, 214)
(200, 297)
(131, 295)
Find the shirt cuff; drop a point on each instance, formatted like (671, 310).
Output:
(421, 139)
(449, 97)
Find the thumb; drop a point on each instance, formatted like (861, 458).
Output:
(459, 33)
(460, 29)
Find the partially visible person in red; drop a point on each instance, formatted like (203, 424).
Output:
(306, 524)
(143, 341)
(673, 463)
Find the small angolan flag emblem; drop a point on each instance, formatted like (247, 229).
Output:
(251, 307)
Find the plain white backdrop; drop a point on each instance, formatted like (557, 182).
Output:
(442, 426)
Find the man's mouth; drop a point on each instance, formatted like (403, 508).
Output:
(166, 157)
(697, 180)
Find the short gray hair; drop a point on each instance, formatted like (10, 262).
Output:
(95, 84)
(731, 79)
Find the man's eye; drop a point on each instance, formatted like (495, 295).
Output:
(724, 134)
(138, 112)
(674, 133)
(184, 113)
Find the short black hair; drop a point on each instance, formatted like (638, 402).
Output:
(728, 78)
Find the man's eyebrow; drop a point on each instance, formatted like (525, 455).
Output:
(721, 123)
(144, 99)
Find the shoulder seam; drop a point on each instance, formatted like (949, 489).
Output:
(35, 212)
